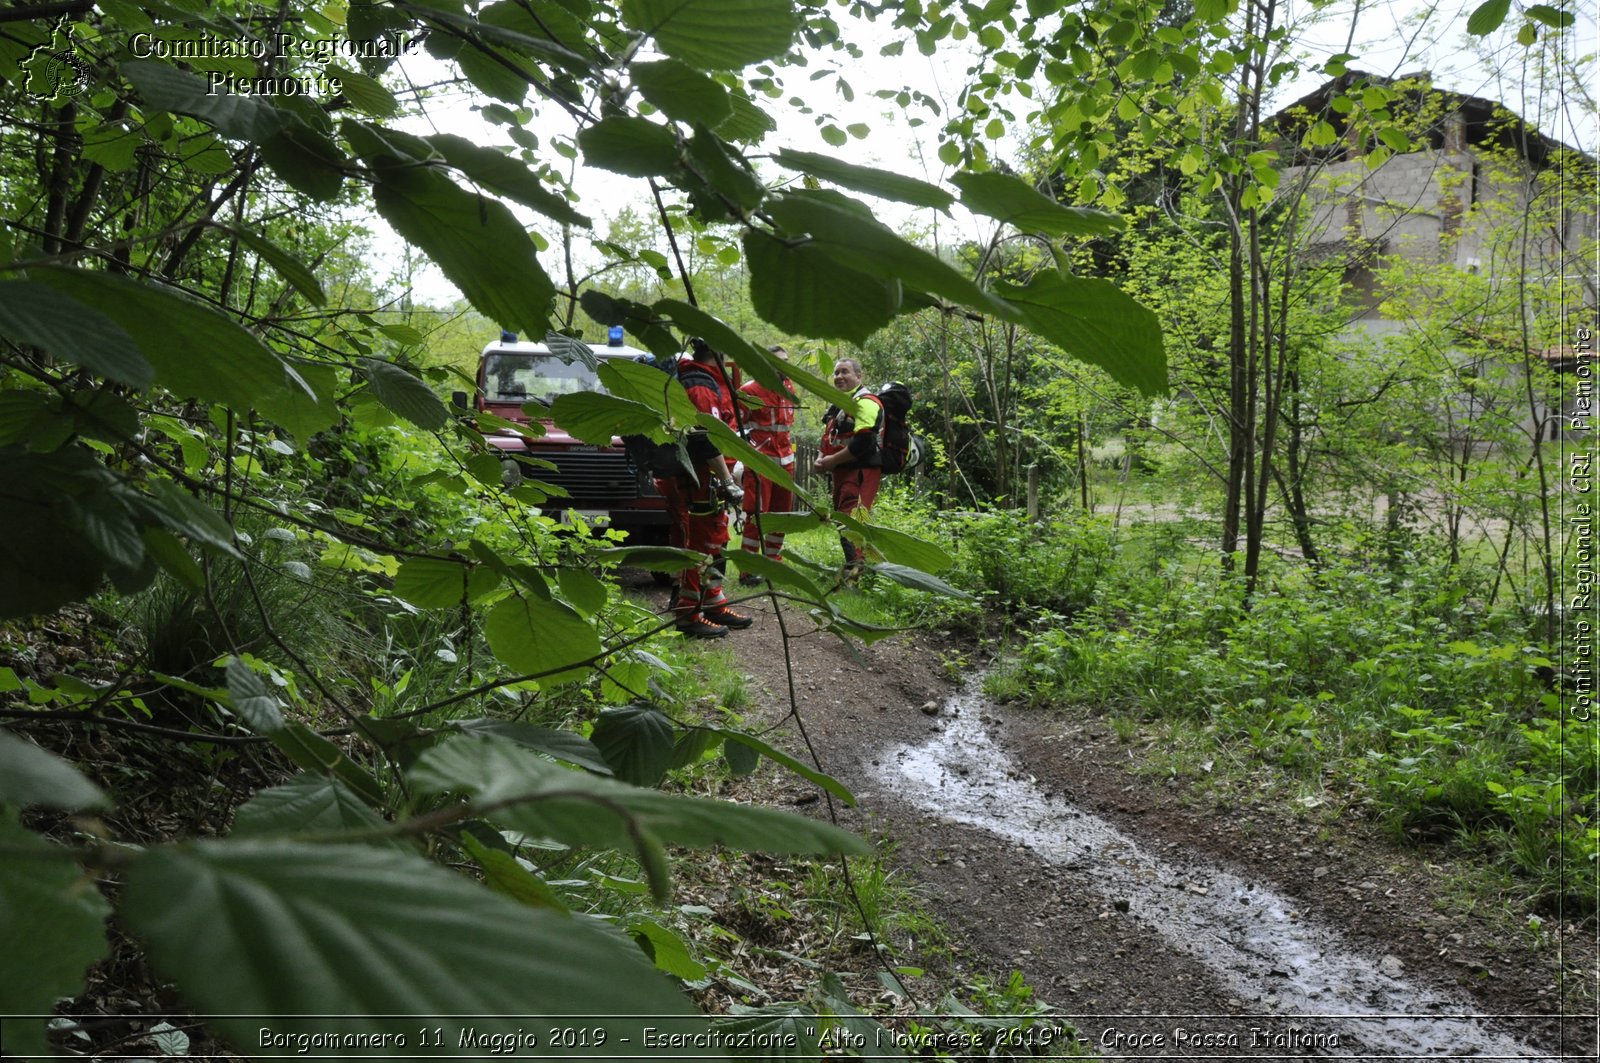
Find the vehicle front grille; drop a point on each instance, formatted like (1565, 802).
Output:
(603, 479)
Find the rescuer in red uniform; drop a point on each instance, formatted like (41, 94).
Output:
(696, 517)
(849, 452)
(769, 421)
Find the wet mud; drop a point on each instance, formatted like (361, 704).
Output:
(1303, 988)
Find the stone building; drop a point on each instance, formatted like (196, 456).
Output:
(1479, 189)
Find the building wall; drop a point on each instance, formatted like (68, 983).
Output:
(1448, 207)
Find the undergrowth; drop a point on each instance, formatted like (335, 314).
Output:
(1384, 679)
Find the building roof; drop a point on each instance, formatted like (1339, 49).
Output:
(1486, 123)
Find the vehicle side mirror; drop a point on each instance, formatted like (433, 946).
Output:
(458, 399)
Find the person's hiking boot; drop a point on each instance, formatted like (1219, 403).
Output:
(698, 627)
(728, 618)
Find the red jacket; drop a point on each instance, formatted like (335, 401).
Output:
(711, 393)
(771, 421)
(708, 389)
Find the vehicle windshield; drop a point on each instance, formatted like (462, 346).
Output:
(519, 377)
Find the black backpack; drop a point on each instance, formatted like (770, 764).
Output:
(895, 442)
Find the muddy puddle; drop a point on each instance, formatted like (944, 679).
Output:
(1304, 989)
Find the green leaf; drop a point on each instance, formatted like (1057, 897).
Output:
(434, 583)
(307, 160)
(260, 934)
(116, 148)
(791, 522)
(1552, 16)
(548, 33)
(742, 760)
(308, 408)
(582, 589)
(854, 239)
(309, 804)
(536, 636)
(596, 418)
(235, 115)
(314, 753)
(897, 546)
(637, 741)
(1528, 34)
(542, 800)
(682, 92)
(777, 573)
(48, 557)
(506, 876)
(628, 145)
(197, 352)
(506, 176)
(366, 94)
(288, 267)
(649, 386)
(790, 1030)
(1394, 138)
(651, 558)
(403, 393)
(666, 950)
(800, 289)
(731, 445)
(252, 699)
(916, 578)
(747, 124)
(562, 745)
(39, 316)
(30, 776)
(836, 999)
(181, 512)
(52, 926)
(1013, 201)
(1487, 17)
(167, 551)
(717, 167)
(715, 34)
(778, 756)
(690, 747)
(832, 134)
(1095, 321)
(755, 362)
(478, 243)
(495, 73)
(29, 416)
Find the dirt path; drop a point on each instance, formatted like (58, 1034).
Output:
(1159, 923)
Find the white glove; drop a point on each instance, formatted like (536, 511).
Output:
(734, 492)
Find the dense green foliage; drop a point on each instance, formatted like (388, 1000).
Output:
(1387, 688)
(203, 406)
(227, 467)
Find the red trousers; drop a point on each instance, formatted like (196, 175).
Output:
(854, 490)
(762, 496)
(696, 522)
